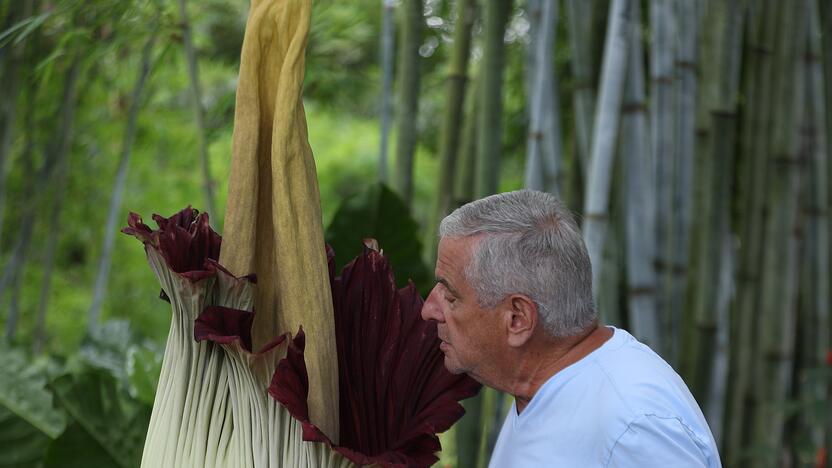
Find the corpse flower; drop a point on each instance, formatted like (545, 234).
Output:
(213, 407)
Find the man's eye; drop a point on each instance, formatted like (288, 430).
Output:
(450, 299)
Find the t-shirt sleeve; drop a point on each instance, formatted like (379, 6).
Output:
(651, 440)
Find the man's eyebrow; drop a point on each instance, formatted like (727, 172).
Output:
(445, 283)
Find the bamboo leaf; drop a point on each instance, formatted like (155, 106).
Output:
(24, 27)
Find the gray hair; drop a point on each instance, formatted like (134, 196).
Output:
(532, 246)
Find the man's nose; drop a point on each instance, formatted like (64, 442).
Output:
(431, 309)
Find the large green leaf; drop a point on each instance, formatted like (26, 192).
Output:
(76, 448)
(105, 347)
(23, 393)
(21, 444)
(102, 408)
(379, 213)
(144, 364)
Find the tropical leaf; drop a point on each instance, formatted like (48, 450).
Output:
(379, 213)
(23, 393)
(101, 408)
(21, 444)
(75, 448)
(105, 347)
(144, 364)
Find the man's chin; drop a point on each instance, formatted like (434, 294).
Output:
(453, 367)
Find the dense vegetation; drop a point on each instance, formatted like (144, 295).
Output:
(692, 136)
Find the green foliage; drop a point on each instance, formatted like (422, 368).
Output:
(76, 448)
(105, 412)
(379, 213)
(144, 364)
(95, 412)
(21, 444)
(23, 393)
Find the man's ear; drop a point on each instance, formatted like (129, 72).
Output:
(522, 313)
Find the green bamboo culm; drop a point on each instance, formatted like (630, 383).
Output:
(752, 167)
(407, 104)
(721, 71)
(490, 113)
(451, 134)
(466, 166)
(783, 235)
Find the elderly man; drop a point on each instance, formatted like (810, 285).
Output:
(513, 303)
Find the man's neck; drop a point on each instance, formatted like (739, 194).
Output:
(549, 357)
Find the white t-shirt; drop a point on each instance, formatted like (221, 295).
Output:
(620, 406)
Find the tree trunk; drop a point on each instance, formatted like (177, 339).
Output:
(408, 102)
(640, 199)
(388, 36)
(544, 143)
(490, 114)
(605, 132)
(113, 214)
(199, 113)
(449, 146)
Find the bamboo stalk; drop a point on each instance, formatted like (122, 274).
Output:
(544, 141)
(784, 236)
(754, 167)
(725, 19)
(453, 117)
(105, 261)
(199, 112)
(54, 165)
(465, 173)
(8, 104)
(408, 96)
(662, 124)
(386, 106)
(579, 24)
(612, 284)
(640, 199)
(687, 18)
(814, 314)
(490, 114)
(605, 134)
(825, 16)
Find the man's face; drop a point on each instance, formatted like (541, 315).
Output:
(470, 334)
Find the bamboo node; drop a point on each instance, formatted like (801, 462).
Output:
(641, 291)
(759, 49)
(814, 210)
(462, 77)
(663, 79)
(687, 64)
(596, 216)
(633, 107)
(811, 57)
